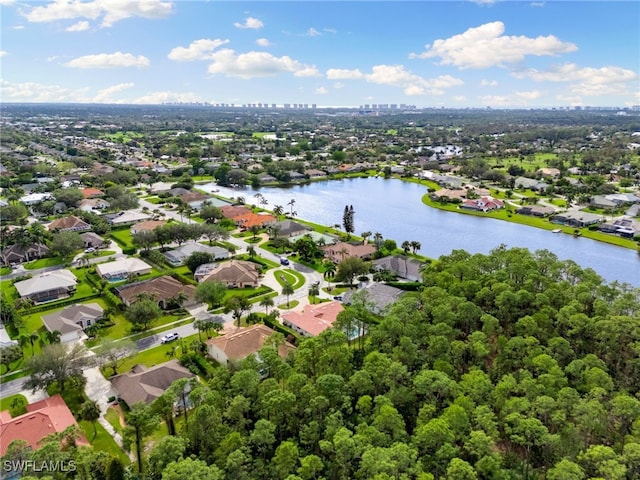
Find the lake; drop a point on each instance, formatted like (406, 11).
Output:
(395, 209)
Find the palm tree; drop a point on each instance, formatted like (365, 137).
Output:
(266, 302)
(251, 250)
(237, 306)
(377, 240)
(291, 203)
(90, 411)
(83, 261)
(365, 236)
(314, 291)
(179, 299)
(201, 325)
(287, 290)
(278, 210)
(330, 269)
(52, 337)
(415, 246)
(406, 246)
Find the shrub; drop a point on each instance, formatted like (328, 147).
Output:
(129, 251)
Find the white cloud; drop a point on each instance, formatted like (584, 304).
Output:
(198, 50)
(338, 85)
(486, 46)
(156, 98)
(3, 53)
(111, 11)
(587, 81)
(250, 22)
(106, 94)
(312, 32)
(38, 92)
(257, 64)
(109, 60)
(263, 42)
(78, 27)
(321, 91)
(537, 4)
(397, 76)
(459, 98)
(488, 83)
(6, 3)
(18, 27)
(344, 74)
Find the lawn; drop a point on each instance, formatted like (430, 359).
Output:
(103, 441)
(5, 403)
(113, 417)
(5, 270)
(290, 277)
(155, 355)
(44, 262)
(122, 237)
(292, 304)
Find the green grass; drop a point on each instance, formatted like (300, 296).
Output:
(5, 270)
(122, 237)
(44, 262)
(292, 304)
(103, 441)
(290, 277)
(155, 355)
(505, 214)
(113, 417)
(260, 135)
(5, 403)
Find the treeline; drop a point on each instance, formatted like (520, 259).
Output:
(512, 365)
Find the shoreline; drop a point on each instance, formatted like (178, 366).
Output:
(502, 214)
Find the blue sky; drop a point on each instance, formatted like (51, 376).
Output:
(500, 54)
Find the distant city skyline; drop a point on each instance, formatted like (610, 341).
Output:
(453, 54)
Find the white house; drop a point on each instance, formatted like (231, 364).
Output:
(47, 287)
(121, 269)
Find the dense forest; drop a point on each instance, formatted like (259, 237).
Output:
(512, 365)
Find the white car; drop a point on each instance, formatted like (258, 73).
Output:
(170, 337)
(90, 250)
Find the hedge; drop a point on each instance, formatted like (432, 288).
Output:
(278, 327)
(408, 286)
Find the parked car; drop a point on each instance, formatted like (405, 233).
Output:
(284, 261)
(90, 250)
(338, 297)
(170, 337)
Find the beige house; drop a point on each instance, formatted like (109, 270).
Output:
(234, 273)
(237, 346)
(72, 321)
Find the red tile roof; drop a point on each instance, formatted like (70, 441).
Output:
(314, 319)
(90, 192)
(43, 418)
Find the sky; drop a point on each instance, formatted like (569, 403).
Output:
(453, 54)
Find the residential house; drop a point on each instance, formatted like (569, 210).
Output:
(341, 250)
(600, 201)
(126, 218)
(35, 198)
(313, 173)
(236, 346)
(178, 255)
(93, 204)
(234, 273)
(625, 227)
(403, 267)
(251, 219)
(576, 218)
(296, 176)
(233, 211)
(90, 192)
(321, 239)
(623, 198)
(121, 269)
(266, 178)
(92, 240)
(162, 289)
(289, 228)
(15, 254)
(314, 319)
(530, 183)
(69, 224)
(47, 287)
(482, 204)
(378, 295)
(143, 384)
(146, 226)
(193, 197)
(43, 418)
(536, 210)
(71, 321)
(548, 172)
